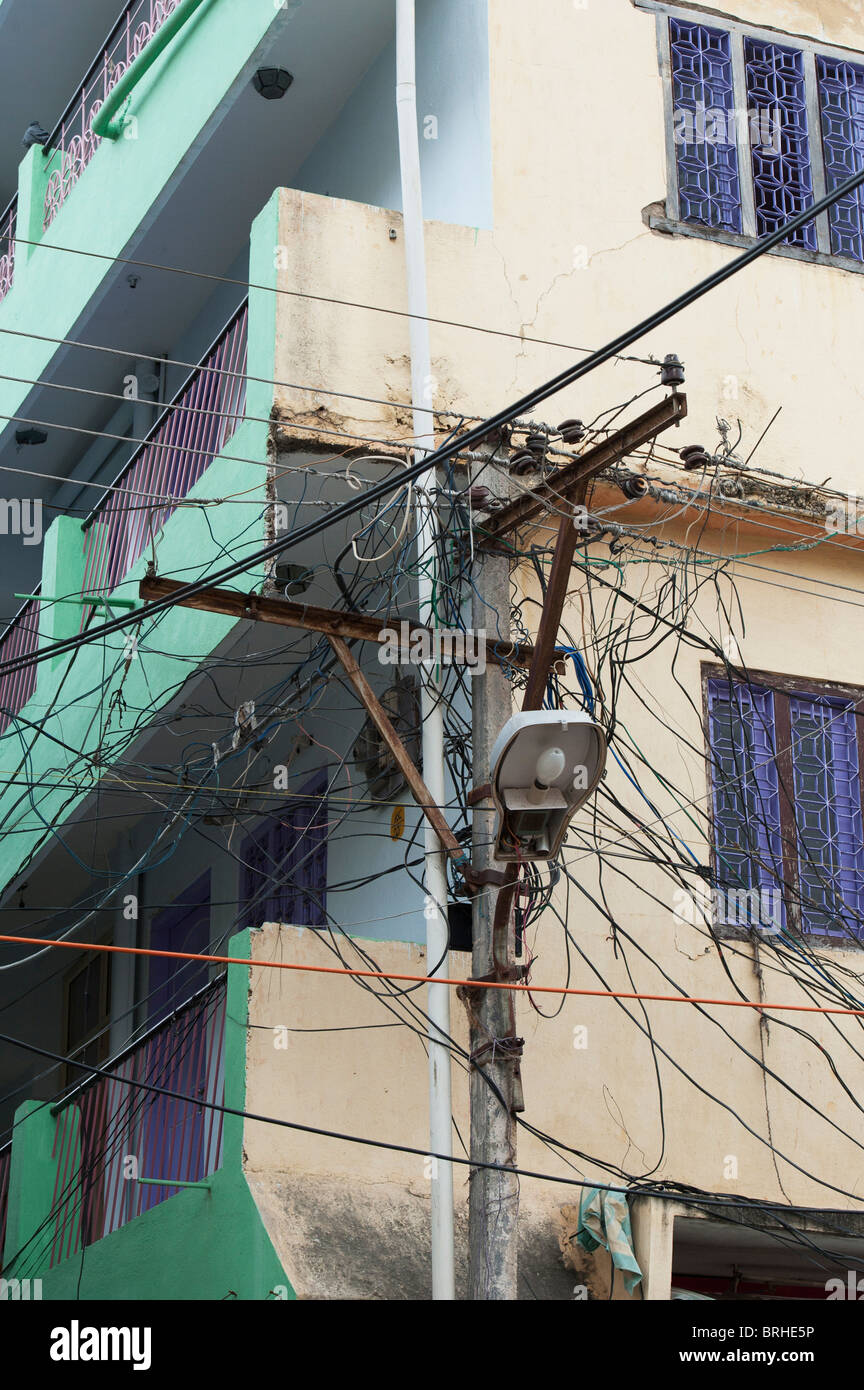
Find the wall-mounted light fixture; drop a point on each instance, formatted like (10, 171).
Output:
(272, 83)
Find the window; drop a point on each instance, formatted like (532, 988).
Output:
(759, 130)
(785, 766)
(283, 877)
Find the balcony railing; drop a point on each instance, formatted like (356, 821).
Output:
(72, 144)
(5, 1171)
(185, 439)
(112, 1139)
(8, 224)
(21, 638)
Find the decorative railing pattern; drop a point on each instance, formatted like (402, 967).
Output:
(113, 1139)
(8, 227)
(72, 144)
(185, 439)
(21, 638)
(5, 1173)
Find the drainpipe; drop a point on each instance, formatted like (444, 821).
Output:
(437, 932)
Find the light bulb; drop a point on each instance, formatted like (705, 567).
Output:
(550, 765)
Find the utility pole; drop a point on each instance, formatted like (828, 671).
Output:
(494, 1085)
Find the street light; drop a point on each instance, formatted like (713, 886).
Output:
(545, 765)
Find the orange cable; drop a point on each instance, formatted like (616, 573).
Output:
(433, 980)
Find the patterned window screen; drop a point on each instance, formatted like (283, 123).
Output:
(284, 863)
(841, 103)
(777, 109)
(731, 89)
(828, 824)
(823, 824)
(709, 190)
(747, 835)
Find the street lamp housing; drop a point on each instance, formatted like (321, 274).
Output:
(545, 765)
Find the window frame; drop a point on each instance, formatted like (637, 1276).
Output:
(739, 30)
(785, 686)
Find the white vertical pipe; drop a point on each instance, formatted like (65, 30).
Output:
(437, 935)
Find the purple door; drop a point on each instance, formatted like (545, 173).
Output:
(184, 926)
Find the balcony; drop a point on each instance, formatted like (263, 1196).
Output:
(188, 434)
(106, 1122)
(21, 638)
(185, 439)
(72, 144)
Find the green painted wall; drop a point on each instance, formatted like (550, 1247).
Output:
(189, 547)
(201, 1244)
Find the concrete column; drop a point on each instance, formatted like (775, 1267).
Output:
(32, 183)
(31, 1184)
(652, 1223)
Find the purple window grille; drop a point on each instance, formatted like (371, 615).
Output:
(21, 639)
(746, 796)
(779, 138)
(828, 825)
(841, 103)
(283, 877)
(709, 188)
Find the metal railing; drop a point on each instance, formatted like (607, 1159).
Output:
(21, 638)
(72, 143)
(8, 228)
(120, 1149)
(185, 439)
(183, 442)
(5, 1173)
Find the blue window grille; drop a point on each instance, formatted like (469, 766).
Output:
(746, 794)
(709, 188)
(822, 828)
(841, 104)
(782, 169)
(758, 128)
(283, 875)
(827, 790)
